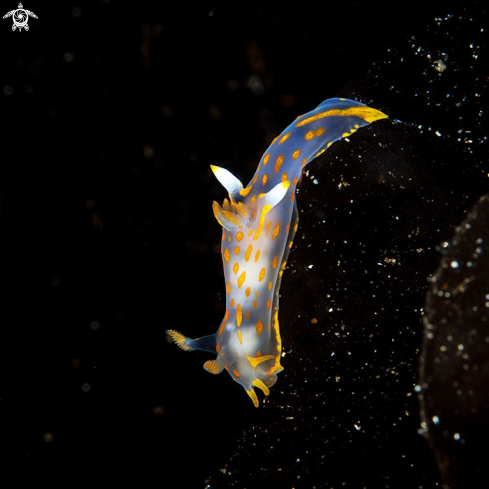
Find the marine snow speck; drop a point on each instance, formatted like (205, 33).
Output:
(259, 223)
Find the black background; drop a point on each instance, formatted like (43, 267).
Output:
(111, 115)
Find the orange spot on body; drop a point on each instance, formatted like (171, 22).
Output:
(257, 256)
(304, 161)
(320, 131)
(224, 321)
(235, 268)
(235, 372)
(274, 262)
(295, 181)
(296, 154)
(284, 138)
(232, 302)
(236, 250)
(262, 274)
(248, 252)
(259, 327)
(309, 135)
(276, 230)
(265, 160)
(253, 199)
(264, 179)
(255, 304)
(218, 347)
(240, 338)
(284, 177)
(241, 279)
(228, 288)
(226, 255)
(247, 315)
(269, 304)
(278, 163)
(270, 285)
(239, 315)
(247, 292)
(239, 236)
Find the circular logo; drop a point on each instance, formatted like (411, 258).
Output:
(20, 19)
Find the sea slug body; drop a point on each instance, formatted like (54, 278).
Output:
(259, 223)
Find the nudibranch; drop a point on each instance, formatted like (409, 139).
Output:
(259, 223)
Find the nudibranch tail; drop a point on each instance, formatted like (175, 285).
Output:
(259, 222)
(361, 111)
